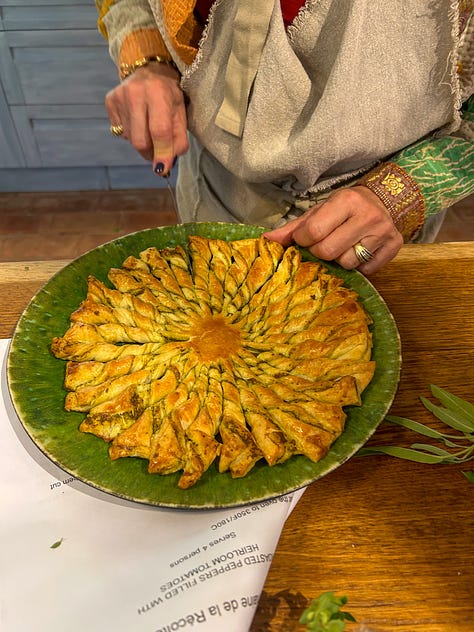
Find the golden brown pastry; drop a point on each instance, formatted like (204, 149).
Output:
(237, 351)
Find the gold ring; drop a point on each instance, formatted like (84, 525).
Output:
(116, 130)
(362, 253)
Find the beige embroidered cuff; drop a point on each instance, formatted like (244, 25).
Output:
(400, 195)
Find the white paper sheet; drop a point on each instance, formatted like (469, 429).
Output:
(74, 559)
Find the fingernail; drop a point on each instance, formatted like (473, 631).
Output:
(159, 168)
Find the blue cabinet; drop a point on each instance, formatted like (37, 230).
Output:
(55, 70)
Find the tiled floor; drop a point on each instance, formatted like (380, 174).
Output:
(36, 226)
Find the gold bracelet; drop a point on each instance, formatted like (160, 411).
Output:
(126, 69)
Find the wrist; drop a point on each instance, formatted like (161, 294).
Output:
(126, 69)
(400, 195)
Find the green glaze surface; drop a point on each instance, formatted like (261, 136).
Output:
(35, 379)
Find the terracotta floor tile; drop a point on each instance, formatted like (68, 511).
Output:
(12, 222)
(15, 202)
(459, 223)
(100, 222)
(64, 225)
(85, 243)
(133, 201)
(37, 247)
(61, 201)
(132, 222)
(82, 222)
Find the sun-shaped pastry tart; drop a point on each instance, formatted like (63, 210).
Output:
(233, 352)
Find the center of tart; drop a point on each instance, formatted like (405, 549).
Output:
(214, 338)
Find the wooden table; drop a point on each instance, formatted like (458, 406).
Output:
(396, 537)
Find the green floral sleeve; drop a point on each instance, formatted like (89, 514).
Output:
(443, 167)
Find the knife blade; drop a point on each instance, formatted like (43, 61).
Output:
(172, 194)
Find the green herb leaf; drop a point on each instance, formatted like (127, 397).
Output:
(469, 476)
(401, 453)
(457, 414)
(433, 449)
(324, 614)
(56, 544)
(460, 407)
(447, 417)
(420, 428)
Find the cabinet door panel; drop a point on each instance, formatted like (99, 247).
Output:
(8, 74)
(10, 150)
(55, 70)
(67, 136)
(70, 75)
(70, 142)
(16, 18)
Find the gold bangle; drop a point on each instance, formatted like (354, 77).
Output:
(127, 69)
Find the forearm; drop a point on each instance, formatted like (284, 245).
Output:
(443, 168)
(426, 177)
(130, 28)
(133, 33)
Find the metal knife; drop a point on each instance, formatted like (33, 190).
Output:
(172, 194)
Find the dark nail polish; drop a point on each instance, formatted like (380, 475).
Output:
(159, 168)
(175, 160)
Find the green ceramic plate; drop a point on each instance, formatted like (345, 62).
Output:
(35, 380)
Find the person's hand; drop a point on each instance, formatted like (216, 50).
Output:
(149, 105)
(347, 217)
